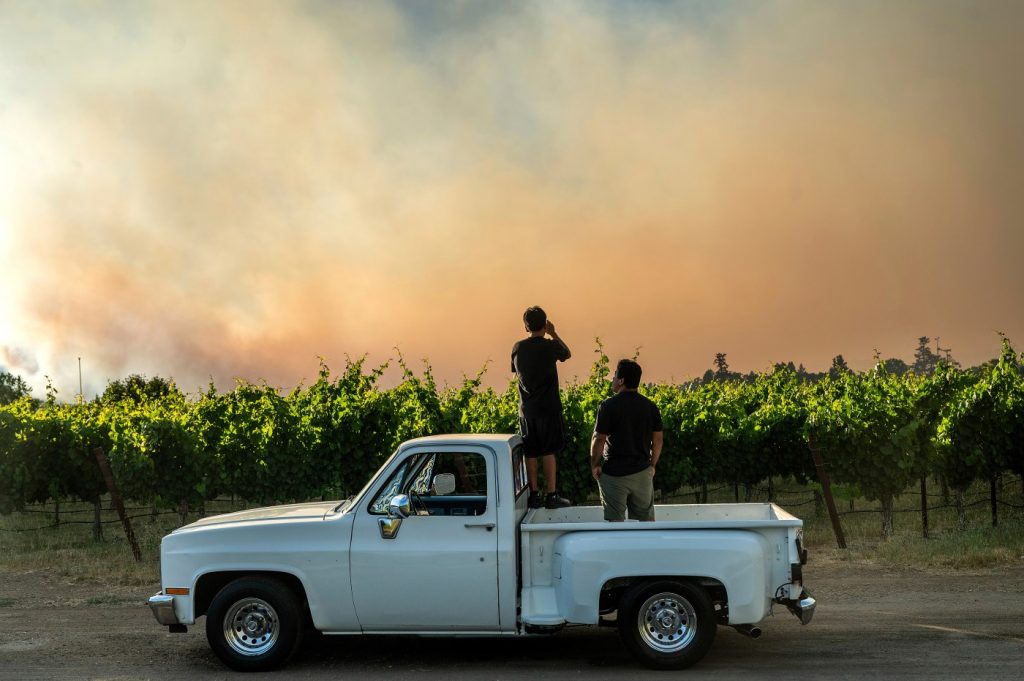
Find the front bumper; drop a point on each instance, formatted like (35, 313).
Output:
(163, 609)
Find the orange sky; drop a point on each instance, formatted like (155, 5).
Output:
(232, 189)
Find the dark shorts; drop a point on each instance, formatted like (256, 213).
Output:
(541, 436)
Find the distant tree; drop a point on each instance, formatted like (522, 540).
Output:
(138, 388)
(839, 367)
(784, 366)
(12, 387)
(805, 376)
(721, 366)
(925, 360)
(896, 366)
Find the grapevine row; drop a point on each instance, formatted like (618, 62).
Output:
(877, 431)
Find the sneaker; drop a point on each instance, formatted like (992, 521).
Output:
(534, 500)
(555, 501)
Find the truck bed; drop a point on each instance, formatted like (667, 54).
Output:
(668, 516)
(547, 598)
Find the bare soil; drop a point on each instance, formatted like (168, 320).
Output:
(871, 622)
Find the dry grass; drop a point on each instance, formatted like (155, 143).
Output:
(978, 546)
(29, 541)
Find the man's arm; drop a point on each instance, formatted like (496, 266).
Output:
(657, 440)
(597, 453)
(565, 353)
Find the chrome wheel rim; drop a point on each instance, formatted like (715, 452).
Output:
(667, 622)
(251, 627)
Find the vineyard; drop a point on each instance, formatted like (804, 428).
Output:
(879, 436)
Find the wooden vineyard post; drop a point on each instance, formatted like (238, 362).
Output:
(924, 506)
(115, 497)
(826, 489)
(995, 504)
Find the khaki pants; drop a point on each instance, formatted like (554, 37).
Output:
(635, 492)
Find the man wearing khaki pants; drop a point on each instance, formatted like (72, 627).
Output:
(626, 446)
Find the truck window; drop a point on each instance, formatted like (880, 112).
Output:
(390, 490)
(519, 478)
(417, 477)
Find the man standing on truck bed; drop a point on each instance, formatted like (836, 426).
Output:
(626, 446)
(540, 405)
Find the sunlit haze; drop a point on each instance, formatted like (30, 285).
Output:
(221, 190)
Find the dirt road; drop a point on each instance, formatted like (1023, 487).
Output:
(871, 623)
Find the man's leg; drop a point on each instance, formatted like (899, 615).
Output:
(528, 430)
(613, 497)
(549, 472)
(531, 473)
(641, 495)
(536, 499)
(552, 498)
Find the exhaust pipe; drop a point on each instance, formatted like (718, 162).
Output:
(748, 630)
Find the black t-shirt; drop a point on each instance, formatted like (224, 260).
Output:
(628, 419)
(533, 360)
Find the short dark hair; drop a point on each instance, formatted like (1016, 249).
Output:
(630, 372)
(535, 318)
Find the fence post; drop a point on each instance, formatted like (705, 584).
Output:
(992, 487)
(826, 489)
(115, 497)
(97, 522)
(924, 506)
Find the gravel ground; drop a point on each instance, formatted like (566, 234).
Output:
(871, 622)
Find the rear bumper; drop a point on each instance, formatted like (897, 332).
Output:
(163, 609)
(803, 607)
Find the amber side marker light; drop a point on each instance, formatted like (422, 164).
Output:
(176, 591)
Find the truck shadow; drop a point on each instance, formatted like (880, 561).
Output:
(571, 648)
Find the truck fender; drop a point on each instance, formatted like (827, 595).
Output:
(584, 561)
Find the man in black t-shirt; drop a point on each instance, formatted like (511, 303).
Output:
(540, 405)
(626, 446)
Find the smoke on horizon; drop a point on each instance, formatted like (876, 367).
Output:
(233, 189)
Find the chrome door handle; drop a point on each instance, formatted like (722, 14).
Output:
(486, 526)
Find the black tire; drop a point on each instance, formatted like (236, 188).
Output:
(667, 624)
(254, 624)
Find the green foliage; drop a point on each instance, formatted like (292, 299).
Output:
(12, 387)
(878, 432)
(46, 451)
(153, 452)
(981, 431)
(138, 389)
(579, 408)
(869, 427)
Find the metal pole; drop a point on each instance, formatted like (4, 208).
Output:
(81, 394)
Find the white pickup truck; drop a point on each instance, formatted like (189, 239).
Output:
(440, 541)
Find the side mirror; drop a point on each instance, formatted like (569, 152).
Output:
(444, 483)
(401, 506)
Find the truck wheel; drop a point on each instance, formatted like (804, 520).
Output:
(667, 625)
(254, 624)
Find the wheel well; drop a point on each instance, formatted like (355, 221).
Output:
(208, 585)
(613, 590)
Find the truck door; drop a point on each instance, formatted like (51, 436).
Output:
(439, 571)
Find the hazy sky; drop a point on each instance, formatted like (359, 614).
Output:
(230, 189)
